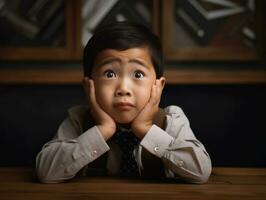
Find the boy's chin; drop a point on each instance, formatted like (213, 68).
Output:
(124, 121)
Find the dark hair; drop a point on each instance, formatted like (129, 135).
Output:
(122, 36)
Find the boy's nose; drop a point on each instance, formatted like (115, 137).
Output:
(123, 88)
(122, 93)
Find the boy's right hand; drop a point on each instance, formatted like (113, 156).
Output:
(104, 122)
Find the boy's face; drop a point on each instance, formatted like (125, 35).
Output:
(123, 82)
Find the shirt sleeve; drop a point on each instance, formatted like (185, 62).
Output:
(61, 158)
(182, 154)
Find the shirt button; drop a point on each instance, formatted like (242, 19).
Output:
(156, 149)
(94, 152)
(180, 163)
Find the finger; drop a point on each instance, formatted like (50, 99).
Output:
(86, 86)
(93, 101)
(153, 94)
(89, 89)
(153, 101)
(156, 94)
(92, 96)
(159, 90)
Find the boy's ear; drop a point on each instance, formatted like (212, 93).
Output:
(161, 81)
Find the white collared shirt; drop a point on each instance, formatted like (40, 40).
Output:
(73, 149)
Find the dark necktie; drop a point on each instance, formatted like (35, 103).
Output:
(127, 141)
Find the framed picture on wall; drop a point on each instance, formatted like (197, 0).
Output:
(34, 30)
(96, 13)
(209, 30)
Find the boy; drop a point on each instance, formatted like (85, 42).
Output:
(123, 131)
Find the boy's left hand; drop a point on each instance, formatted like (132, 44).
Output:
(144, 120)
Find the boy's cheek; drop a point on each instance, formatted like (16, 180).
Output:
(100, 97)
(146, 95)
(103, 97)
(101, 90)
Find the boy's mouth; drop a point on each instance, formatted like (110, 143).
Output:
(124, 106)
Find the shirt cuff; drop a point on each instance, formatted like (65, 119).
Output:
(92, 143)
(156, 141)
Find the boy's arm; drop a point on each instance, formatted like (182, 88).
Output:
(61, 158)
(182, 154)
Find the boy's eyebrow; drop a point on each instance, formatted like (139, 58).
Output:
(138, 62)
(108, 61)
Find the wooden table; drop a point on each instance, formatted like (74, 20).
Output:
(225, 183)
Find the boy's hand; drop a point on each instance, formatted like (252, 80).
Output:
(104, 122)
(144, 120)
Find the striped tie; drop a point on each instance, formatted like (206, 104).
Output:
(127, 141)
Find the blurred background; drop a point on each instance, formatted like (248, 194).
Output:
(214, 65)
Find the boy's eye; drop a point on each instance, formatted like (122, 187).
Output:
(110, 74)
(138, 74)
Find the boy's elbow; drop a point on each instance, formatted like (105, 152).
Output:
(203, 178)
(47, 173)
(47, 177)
(204, 175)
(44, 176)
